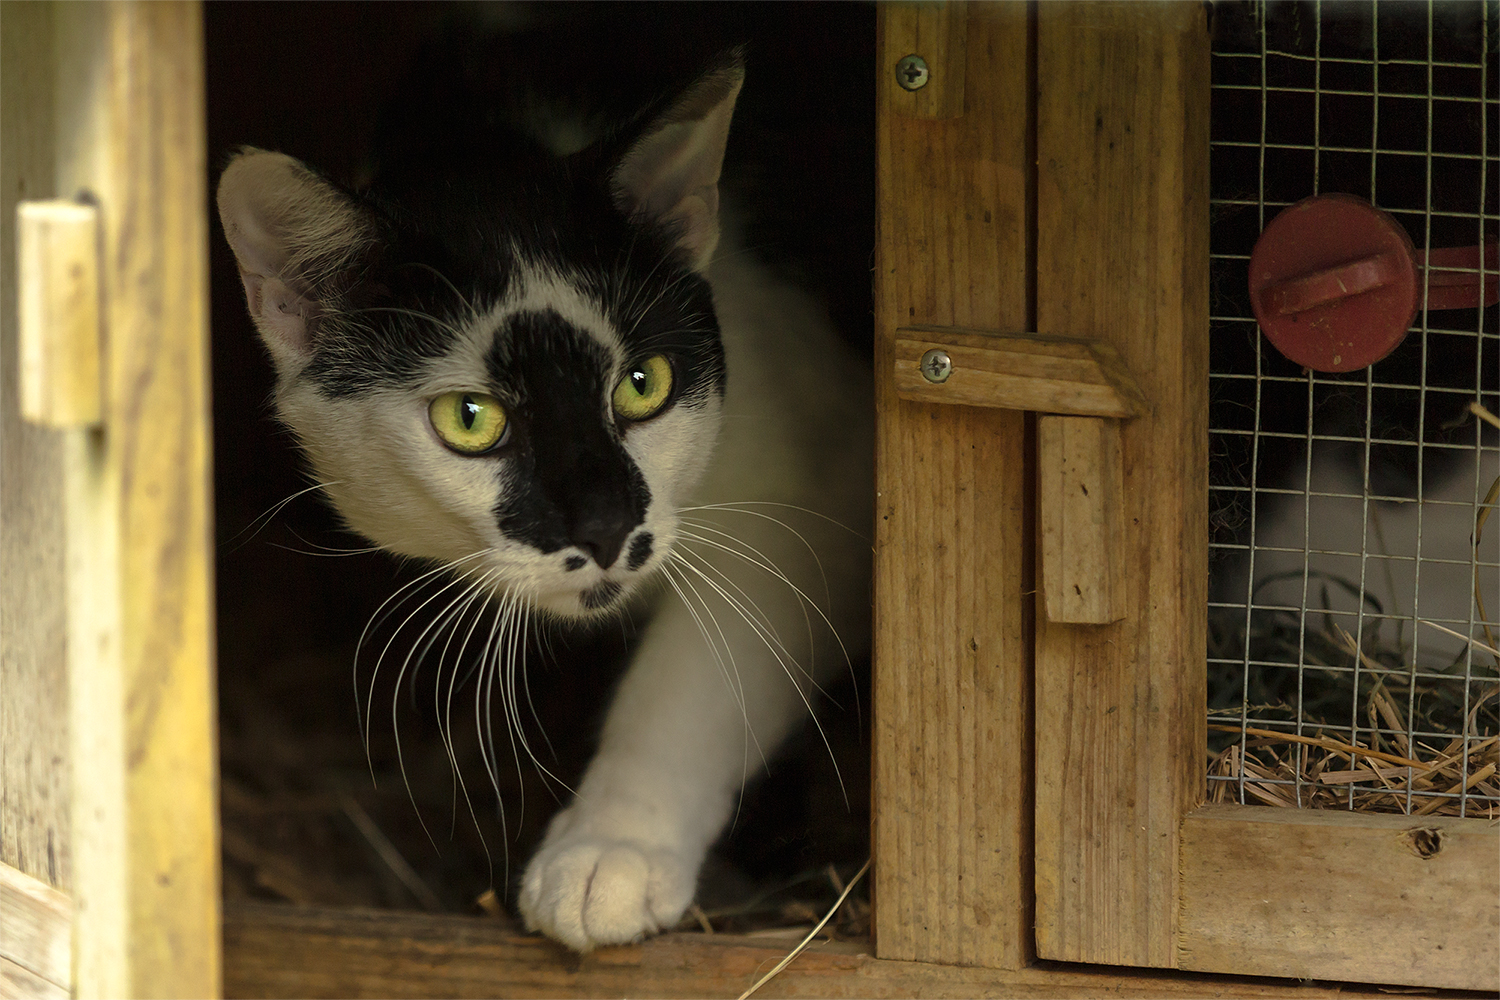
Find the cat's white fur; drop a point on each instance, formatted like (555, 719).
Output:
(764, 601)
(1339, 523)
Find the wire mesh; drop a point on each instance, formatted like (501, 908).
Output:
(1354, 590)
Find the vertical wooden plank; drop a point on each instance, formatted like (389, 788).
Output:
(1080, 490)
(952, 640)
(145, 844)
(34, 804)
(937, 34)
(1122, 255)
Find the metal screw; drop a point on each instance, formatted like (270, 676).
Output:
(912, 73)
(936, 366)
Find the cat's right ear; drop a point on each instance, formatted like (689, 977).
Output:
(295, 237)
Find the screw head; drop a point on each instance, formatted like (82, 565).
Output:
(912, 73)
(936, 366)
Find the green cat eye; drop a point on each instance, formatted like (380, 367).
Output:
(470, 423)
(644, 389)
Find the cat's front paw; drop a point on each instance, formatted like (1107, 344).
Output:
(586, 889)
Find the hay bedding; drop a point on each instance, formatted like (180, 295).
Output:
(1427, 745)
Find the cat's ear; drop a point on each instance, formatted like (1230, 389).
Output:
(671, 173)
(295, 237)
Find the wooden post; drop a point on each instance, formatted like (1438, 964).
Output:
(129, 80)
(952, 824)
(1122, 255)
(34, 775)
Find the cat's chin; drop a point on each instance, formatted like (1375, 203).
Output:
(600, 600)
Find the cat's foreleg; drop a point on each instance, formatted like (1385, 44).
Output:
(687, 728)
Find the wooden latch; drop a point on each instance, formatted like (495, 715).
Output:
(58, 265)
(1083, 391)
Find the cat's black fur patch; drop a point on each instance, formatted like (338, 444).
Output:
(640, 551)
(573, 563)
(569, 479)
(456, 195)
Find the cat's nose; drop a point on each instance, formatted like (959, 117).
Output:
(602, 538)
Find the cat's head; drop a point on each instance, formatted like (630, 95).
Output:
(498, 358)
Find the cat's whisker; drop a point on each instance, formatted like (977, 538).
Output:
(258, 525)
(374, 674)
(757, 621)
(777, 654)
(468, 305)
(734, 683)
(402, 311)
(479, 592)
(761, 561)
(531, 705)
(482, 591)
(729, 671)
(435, 627)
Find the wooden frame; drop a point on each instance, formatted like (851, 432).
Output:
(1047, 129)
(112, 95)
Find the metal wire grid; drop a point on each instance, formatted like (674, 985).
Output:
(1395, 103)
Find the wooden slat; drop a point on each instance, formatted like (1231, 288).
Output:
(1080, 490)
(284, 951)
(58, 243)
(1018, 371)
(36, 928)
(145, 846)
(1321, 894)
(938, 33)
(1122, 255)
(952, 853)
(34, 776)
(20, 983)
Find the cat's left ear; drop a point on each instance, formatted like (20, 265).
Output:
(671, 174)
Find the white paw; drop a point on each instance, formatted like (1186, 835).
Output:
(587, 889)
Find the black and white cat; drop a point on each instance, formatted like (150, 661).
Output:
(550, 374)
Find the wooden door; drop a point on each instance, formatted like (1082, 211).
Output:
(107, 513)
(1034, 222)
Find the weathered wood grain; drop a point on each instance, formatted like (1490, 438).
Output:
(938, 32)
(1122, 256)
(36, 928)
(284, 951)
(145, 847)
(34, 802)
(1018, 371)
(1321, 894)
(952, 661)
(1080, 491)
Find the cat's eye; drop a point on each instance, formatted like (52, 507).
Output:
(470, 423)
(645, 389)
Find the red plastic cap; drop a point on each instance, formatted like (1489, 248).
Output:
(1334, 283)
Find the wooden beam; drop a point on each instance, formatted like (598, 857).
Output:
(1018, 371)
(1122, 255)
(34, 773)
(952, 648)
(285, 951)
(36, 930)
(1339, 895)
(129, 80)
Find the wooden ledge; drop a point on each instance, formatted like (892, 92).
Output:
(1072, 376)
(273, 950)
